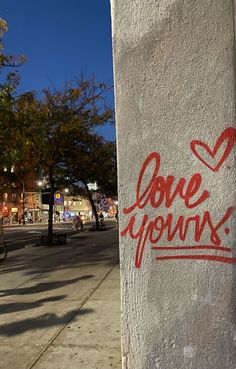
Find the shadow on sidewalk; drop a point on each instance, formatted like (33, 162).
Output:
(86, 250)
(41, 287)
(30, 273)
(21, 306)
(43, 321)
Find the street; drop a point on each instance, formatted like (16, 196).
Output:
(60, 305)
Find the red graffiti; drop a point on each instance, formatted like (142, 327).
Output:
(228, 136)
(159, 190)
(222, 259)
(152, 231)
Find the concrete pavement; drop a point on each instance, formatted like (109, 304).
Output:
(60, 305)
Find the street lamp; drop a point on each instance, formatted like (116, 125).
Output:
(66, 190)
(40, 184)
(23, 200)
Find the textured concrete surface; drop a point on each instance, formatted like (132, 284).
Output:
(175, 101)
(60, 307)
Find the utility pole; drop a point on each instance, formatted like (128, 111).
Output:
(40, 184)
(23, 200)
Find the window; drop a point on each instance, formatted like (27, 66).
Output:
(14, 197)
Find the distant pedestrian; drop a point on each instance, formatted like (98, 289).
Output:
(21, 219)
(117, 218)
(75, 223)
(101, 219)
(80, 220)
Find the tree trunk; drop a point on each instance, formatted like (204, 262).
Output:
(51, 203)
(92, 204)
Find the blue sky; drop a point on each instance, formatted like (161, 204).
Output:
(60, 39)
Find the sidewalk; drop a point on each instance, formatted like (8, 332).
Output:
(60, 306)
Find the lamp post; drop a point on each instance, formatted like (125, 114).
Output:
(66, 190)
(23, 201)
(40, 183)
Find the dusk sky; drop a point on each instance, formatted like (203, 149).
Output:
(60, 39)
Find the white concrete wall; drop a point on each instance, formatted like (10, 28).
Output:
(174, 89)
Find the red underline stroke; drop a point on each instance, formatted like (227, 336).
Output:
(197, 247)
(221, 259)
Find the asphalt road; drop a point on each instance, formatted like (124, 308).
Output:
(19, 236)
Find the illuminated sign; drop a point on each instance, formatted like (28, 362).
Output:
(58, 198)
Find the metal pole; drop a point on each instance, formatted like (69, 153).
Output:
(40, 203)
(23, 204)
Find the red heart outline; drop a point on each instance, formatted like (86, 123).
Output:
(228, 134)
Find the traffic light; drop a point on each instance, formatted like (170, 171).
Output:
(46, 197)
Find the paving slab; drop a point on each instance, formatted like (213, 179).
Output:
(18, 357)
(108, 291)
(115, 273)
(73, 357)
(91, 341)
(99, 328)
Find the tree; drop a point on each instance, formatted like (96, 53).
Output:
(50, 128)
(8, 60)
(95, 161)
(9, 153)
